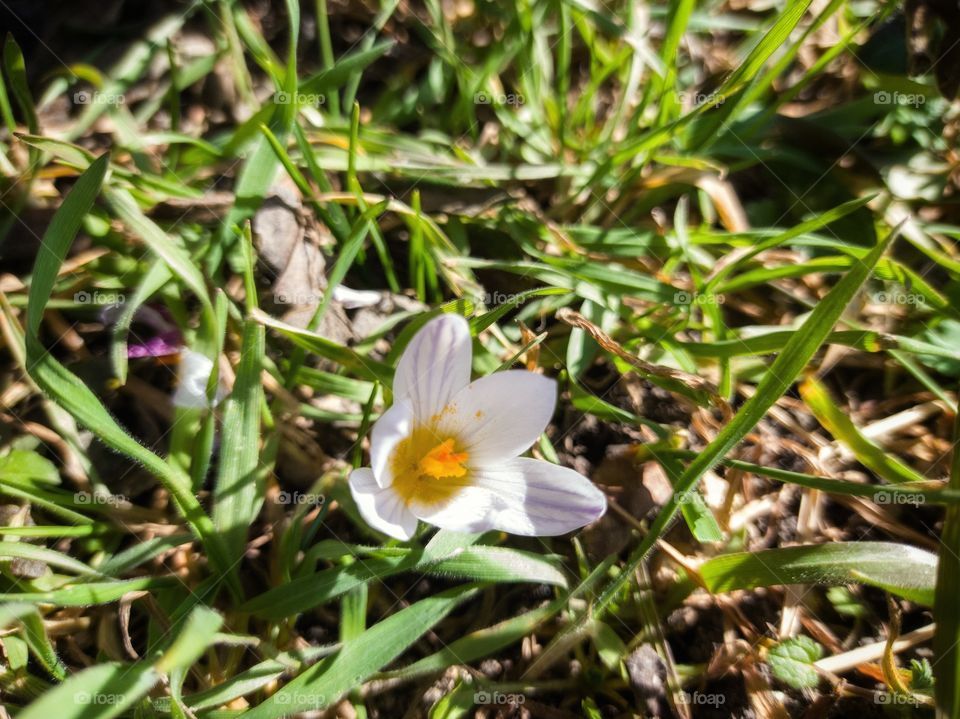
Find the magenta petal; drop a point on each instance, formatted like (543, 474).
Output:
(162, 345)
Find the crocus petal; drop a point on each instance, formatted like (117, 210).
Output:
(499, 416)
(381, 508)
(434, 366)
(355, 299)
(193, 373)
(393, 426)
(162, 345)
(522, 496)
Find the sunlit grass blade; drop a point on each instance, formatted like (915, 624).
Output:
(50, 557)
(68, 390)
(904, 570)
(257, 677)
(323, 684)
(16, 71)
(870, 455)
(35, 635)
(822, 219)
(88, 593)
(456, 559)
(110, 689)
(778, 379)
(911, 494)
(747, 72)
(365, 367)
(480, 643)
(239, 488)
(165, 246)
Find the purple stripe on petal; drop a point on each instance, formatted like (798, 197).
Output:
(521, 496)
(434, 365)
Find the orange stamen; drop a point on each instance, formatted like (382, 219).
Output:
(442, 461)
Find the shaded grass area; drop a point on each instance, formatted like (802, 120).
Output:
(728, 230)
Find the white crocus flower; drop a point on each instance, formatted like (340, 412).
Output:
(193, 373)
(448, 450)
(356, 299)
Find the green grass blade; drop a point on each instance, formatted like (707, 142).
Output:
(81, 595)
(155, 278)
(178, 260)
(110, 689)
(239, 487)
(35, 635)
(323, 684)
(778, 379)
(906, 571)
(946, 609)
(459, 559)
(346, 66)
(100, 692)
(68, 390)
(883, 494)
(365, 367)
(23, 550)
(58, 238)
(870, 455)
(16, 70)
(480, 643)
(199, 631)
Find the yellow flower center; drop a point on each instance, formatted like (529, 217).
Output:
(428, 468)
(442, 461)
